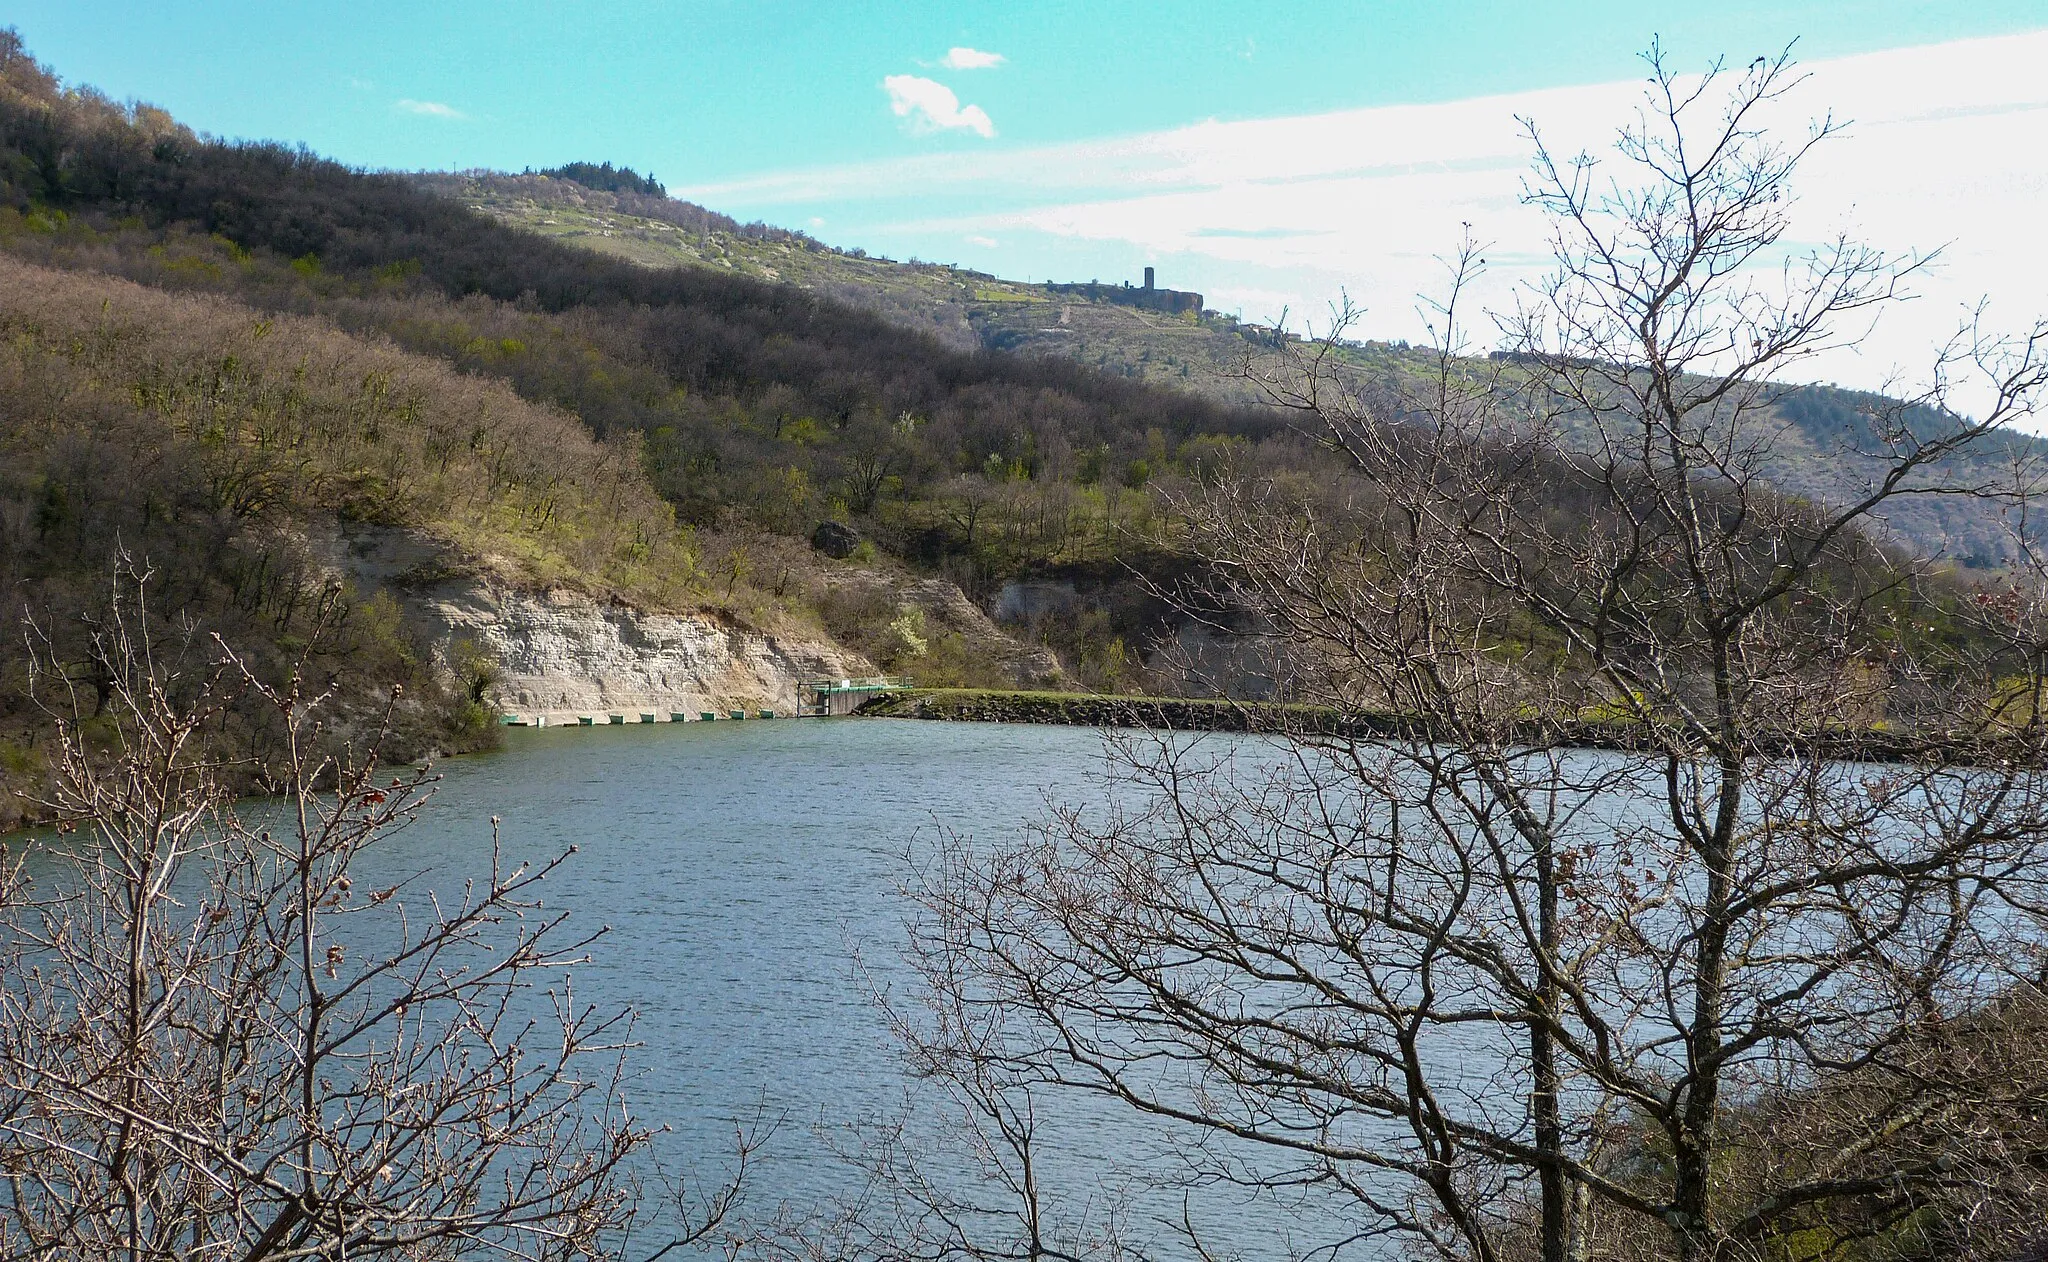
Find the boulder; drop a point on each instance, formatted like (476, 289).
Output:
(835, 539)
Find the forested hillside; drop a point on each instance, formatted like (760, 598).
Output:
(1214, 355)
(759, 409)
(221, 449)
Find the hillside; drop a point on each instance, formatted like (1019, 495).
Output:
(364, 433)
(758, 409)
(967, 310)
(1207, 355)
(548, 478)
(229, 451)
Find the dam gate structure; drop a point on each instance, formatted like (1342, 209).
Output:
(824, 698)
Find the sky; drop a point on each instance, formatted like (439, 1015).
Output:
(1272, 157)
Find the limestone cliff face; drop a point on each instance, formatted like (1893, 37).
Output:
(560, 655)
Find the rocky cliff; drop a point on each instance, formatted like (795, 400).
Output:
(559, 655)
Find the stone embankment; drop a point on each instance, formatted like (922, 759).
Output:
(1212, 715)
(969, 705)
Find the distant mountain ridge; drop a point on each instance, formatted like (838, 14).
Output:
(1200, 351)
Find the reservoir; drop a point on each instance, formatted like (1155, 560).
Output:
(747, 878)
(749, 874)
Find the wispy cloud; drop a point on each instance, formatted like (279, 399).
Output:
(429, 109)
(970, 59)
(986, 243)
(929, 105)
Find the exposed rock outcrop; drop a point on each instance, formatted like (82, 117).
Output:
(998, 657)
(835, 539)
(559, 654)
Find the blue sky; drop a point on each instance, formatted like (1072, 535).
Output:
(1268, 155)
(705, 92)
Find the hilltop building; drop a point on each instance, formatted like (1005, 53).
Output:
(1171, 301)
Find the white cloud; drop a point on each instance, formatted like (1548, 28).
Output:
(970, 59)
(1947, 146)
(986, 243)
(931, 106)
(430, 109)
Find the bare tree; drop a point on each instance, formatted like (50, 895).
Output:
(1672, 887)
(214, 1043)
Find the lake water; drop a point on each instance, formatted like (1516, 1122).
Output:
(739, 867)
(747, 871)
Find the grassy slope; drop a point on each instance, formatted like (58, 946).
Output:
(290, 421)
(967, 309)
(1811, 454)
